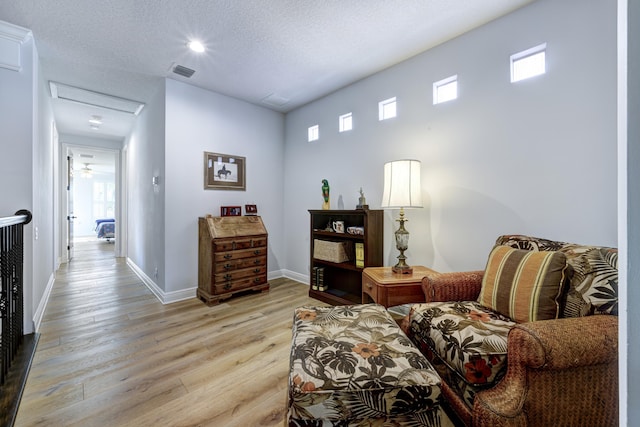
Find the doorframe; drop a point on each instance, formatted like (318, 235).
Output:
(121, 208)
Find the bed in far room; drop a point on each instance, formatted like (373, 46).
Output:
(106, 228)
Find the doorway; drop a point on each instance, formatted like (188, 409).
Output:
(91, 195)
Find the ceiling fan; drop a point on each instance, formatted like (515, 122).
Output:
(86, 171)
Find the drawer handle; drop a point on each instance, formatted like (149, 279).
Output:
(256, 270)
(256, 261)
(233, 245)
(257, 280)
(228, 256)
(256, 252)
(227, 286)
(227, 266)
(227, 277)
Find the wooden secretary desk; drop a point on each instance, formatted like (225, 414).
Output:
(232, 257)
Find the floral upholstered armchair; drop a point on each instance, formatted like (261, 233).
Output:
(530, 341)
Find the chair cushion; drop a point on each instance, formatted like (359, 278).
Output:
(354, 363)
(593, 286)
(596, 277)
(469, 338)
(524, 285)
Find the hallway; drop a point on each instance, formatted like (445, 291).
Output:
(110, 354)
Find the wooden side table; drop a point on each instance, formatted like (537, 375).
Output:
(382, 286)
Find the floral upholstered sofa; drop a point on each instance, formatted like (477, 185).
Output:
(529, 341)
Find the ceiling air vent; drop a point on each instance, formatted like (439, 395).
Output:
(183, 71)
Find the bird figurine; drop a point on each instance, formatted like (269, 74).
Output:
(325, 195)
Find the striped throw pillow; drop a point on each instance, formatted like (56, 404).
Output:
(523, 285)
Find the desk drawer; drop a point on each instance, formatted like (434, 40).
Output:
(369, 287)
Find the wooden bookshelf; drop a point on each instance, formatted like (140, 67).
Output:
(344, 279)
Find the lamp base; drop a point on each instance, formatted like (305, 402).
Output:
(402, 269)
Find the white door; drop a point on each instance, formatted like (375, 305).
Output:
(70, 215)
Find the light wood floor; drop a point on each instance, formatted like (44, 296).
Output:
(110, 354)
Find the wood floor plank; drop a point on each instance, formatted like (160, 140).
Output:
(111, 354)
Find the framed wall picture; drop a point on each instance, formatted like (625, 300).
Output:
(224, 172)
(251, 210)
(230, 211)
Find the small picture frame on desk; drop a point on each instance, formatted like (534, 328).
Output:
(250, 210)
(230, 210)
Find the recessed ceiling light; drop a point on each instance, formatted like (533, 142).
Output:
(196, 46)
(95, 120)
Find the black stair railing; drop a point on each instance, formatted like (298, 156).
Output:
(11, 288)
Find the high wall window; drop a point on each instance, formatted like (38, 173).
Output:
(445, 90)
(387, 109)
(345, 122)
(528, 63)
(314, 133)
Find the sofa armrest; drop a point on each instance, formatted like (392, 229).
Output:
(458, 286)
(562, 371)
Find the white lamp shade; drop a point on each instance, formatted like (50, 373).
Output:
(402, 184)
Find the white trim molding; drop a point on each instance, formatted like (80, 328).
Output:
(11, 39)
(39, 314)
(163, 297)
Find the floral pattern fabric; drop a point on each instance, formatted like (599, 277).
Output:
(467, 337)
(593, 288)
(352, 365)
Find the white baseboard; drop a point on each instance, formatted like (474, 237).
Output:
(183, 294)
(163, 297)
(295, 276)
(37, 316)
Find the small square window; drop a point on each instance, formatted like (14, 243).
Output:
(387, 109)
(528, 63)
(314, 133)
(445, 90)
(345, 122)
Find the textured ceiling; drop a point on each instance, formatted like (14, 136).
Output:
(288, 51)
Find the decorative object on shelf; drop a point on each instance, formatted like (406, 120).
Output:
(251, 210)
(402, 190)
(337, 252)
(326, 205)
(224, 172)
(230, 211)
(338, 226)
(358, 231)
(362, 201)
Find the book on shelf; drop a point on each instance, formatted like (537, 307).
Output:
(360, 255)
(320, 279)
(314, 276)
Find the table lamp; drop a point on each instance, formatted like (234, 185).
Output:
(402, 190)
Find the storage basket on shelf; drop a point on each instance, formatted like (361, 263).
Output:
(332, 251)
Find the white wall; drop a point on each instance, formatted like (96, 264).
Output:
(198, 120)
(16, 144)
(26, 166)
(145, 158)
(45, 154)
(537, 157)
(629, 139)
